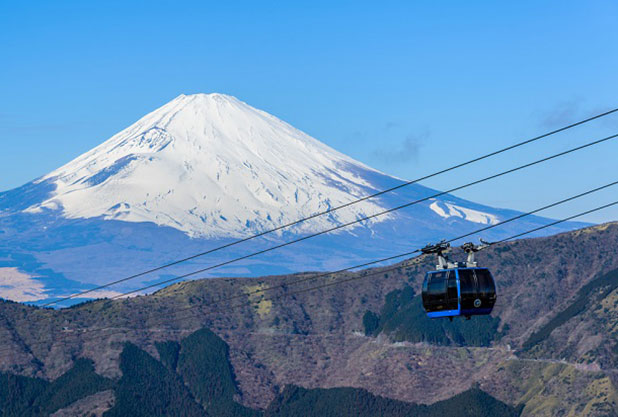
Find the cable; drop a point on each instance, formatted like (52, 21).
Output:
(338, 282)
(556, 222)
(512, 219)
(381, 271)
(285, 226)
(177, 278)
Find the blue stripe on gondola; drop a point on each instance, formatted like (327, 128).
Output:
(445, 313)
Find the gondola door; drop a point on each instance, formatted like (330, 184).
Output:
(452, 292)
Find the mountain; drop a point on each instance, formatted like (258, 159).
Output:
(548, 349)
(201, 171)
(211, 166)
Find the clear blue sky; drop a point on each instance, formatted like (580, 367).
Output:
(406, 87)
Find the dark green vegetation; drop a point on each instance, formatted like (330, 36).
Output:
(194, 379)
(23, 396)
(585, 297)
(168, 353)
(341, 402)
(148, 388)
(402, 317)
(205, 367)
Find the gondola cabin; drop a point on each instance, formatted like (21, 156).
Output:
(457, 289)
(459, 292)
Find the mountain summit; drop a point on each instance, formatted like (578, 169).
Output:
(211, 166)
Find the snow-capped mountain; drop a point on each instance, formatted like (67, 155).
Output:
(200, 171)
(210, 166)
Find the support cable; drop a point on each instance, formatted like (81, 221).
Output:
(356, 221)
(333, 209)
(378, 271)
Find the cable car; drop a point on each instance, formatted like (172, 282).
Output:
(457, 289)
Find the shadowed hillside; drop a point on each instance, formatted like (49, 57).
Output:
(201, 385)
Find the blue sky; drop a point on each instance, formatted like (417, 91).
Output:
(406, 87)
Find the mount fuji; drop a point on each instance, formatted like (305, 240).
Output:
(201, 171)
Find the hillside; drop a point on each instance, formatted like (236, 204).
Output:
(194, 378)
(549, 348)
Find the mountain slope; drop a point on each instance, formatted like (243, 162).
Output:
(199, 172)
(149, 387)
(316, 340)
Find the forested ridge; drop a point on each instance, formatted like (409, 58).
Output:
(550, 344)
(194, 378)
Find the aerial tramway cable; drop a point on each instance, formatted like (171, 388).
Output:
(391, 258)
(372, 273)
(359, 220)
(332, 209)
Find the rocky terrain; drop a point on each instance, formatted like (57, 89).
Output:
(549, 348)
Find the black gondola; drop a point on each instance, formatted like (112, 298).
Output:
(457, 289)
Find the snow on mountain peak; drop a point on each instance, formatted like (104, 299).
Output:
(211, 166)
